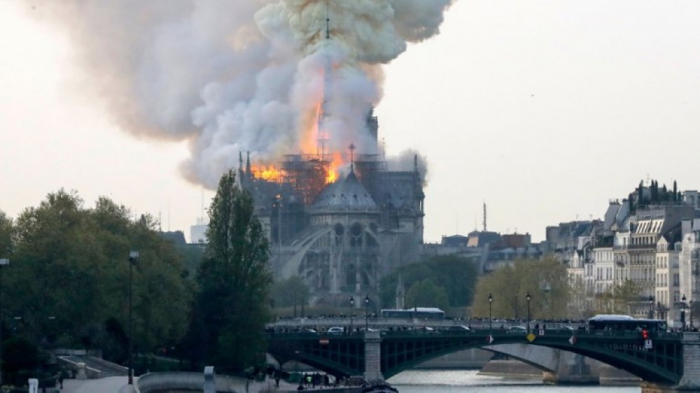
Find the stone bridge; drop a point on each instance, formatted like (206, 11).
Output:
(669, 359)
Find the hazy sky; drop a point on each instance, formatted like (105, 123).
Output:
(544, 110)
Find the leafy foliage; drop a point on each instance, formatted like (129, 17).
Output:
(426, 294)
(234, 279)
(545, 280)
(290, 292)
(456, 276)
(69, 276)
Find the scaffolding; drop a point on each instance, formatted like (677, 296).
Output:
(307, 173)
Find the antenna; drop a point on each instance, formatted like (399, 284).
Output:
(328, 21)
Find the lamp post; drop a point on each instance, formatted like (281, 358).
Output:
(490, 319)
(3, 262)
(302, 304)
(366, 312)
(683, 312)
(133, 256)
(691, 314)
(528, 297)
(352, 306)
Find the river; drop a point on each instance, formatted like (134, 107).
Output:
(467, 381)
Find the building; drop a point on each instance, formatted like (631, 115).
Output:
(648, 239)
(341, 233)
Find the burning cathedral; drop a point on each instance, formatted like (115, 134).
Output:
(340, 232)
(338, 214)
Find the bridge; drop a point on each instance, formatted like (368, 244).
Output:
(665, 359)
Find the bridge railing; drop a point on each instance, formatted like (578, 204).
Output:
(322, 324)
(553, 332)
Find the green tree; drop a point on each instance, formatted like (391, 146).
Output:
(425, 293)
(234, 280)
(545, 280)
(6, 229)
(457, 276)
(290, 292)
(623, 294)
(69, 277)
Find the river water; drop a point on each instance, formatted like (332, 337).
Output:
(467, 381)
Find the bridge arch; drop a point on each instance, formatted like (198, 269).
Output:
(661, 364)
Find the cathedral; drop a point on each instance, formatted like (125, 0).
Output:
(340, 234)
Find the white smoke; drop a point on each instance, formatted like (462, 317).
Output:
(410, 160)
(241, 75)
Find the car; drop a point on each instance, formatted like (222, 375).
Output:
(335, 330)
(517, 330)
(309, 331)
(458, 329)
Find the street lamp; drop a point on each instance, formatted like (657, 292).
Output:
(490, 319)
(691, 315)
(528, 297)
(3, 262)
(683, 312)
(133, 256)
(366, 312)
(352, 306)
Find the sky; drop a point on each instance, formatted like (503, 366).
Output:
(543, 110)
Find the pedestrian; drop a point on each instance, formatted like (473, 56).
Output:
(60, 380)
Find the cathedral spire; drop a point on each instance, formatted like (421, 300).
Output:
(352, 157)
(248, 171)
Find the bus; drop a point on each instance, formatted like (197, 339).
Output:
(613, 322)
(416, 312)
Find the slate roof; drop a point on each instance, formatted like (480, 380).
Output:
(345, 195)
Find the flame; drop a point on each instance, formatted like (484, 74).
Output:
(267, 172)
(332, 173)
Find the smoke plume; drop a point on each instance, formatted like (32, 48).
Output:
(242, 75)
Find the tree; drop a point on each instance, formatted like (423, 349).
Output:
(234, 280)
(5, 235)
(623, 294)
(290, 292)
(456, 275)
(545, 280)
(425, 293)
(70, 277)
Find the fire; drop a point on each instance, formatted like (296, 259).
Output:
(332, 174)
(267, 172)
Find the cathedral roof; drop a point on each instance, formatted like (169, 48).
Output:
(345, 195)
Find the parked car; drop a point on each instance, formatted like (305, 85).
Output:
(458, 329)
(517, 330)
(335, 330)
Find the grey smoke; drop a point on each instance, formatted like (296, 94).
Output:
(240, 75)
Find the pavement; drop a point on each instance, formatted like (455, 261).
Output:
(102, 385)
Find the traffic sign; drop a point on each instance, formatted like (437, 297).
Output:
(489, 339)
(648, 344)
(572, 340)
(531, 337)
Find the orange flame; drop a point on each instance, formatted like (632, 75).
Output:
(267, 172)
(332, 174)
